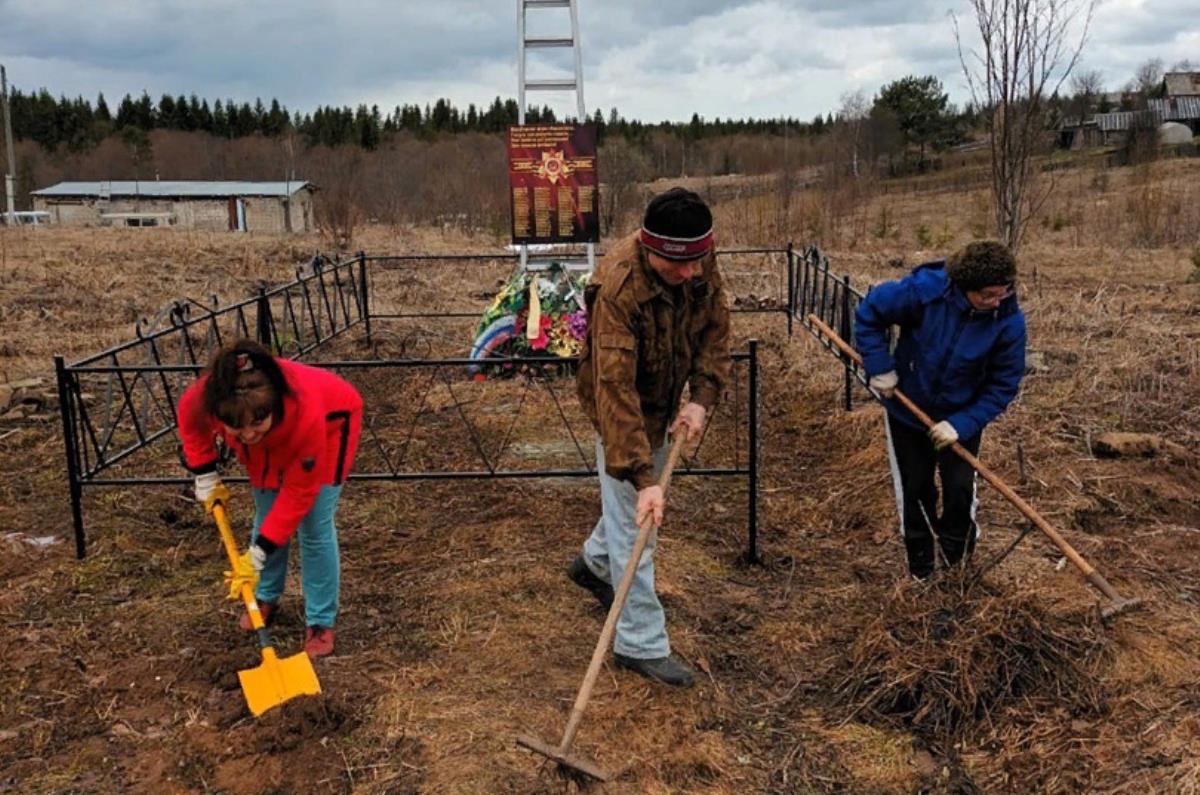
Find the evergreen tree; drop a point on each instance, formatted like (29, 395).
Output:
(274, 121)
(143, 114)
(166, 113)
(921, 109)
(366, 127)
(102, 112)
(439, 119)
(220, 121)
(259, 117)
(205, 117)
(184, 119)
(126, 112)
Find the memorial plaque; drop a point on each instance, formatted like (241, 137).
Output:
(552, 181)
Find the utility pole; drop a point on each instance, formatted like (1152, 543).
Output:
(10, 175)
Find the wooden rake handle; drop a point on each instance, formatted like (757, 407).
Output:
(614, 612)
(1086, 569)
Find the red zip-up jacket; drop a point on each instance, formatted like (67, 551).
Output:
(310, 446)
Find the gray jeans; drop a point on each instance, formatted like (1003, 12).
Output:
(642, 627)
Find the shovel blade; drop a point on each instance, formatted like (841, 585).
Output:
(277, 681)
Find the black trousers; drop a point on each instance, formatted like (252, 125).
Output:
(913, 463)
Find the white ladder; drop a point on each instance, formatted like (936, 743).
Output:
(524, 44)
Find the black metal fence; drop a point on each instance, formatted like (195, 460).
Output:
(816, 290)
(118, 406)
(412, 308)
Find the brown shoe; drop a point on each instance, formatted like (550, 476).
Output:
(268, 615)
(318, 641)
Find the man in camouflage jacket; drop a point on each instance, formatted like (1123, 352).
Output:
(658, 321)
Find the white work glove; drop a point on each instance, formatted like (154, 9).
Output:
(943, 435)
(210, 490)
(257, 556)
(885, 383)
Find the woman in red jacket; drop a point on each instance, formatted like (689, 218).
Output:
(295, 429)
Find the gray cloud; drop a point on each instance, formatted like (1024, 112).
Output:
(653, 60)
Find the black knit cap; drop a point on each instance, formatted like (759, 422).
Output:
(984, 263)
(680, 217)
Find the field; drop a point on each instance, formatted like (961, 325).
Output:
(822, 670)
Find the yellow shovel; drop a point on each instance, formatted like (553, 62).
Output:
(276, 680)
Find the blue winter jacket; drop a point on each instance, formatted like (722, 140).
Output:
(957, 363)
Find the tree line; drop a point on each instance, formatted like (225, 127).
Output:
(79, 124)
(908, 119)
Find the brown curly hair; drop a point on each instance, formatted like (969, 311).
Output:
(984, 263)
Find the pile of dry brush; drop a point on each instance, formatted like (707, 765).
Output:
(945, 656)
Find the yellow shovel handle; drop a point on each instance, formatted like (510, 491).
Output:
(231, 549)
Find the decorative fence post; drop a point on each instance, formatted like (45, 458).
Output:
(846, 332)
(806, 267)
(752, 540)
(72, 451)
(263, 325)
(364, 293)
(791, 287)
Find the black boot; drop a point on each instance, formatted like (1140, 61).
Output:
(920, 556)
(671, 670)
(585, 578)
(955, 549)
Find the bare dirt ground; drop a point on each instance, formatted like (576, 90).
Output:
(822, 669)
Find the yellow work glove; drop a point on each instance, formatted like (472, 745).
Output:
(244, 573)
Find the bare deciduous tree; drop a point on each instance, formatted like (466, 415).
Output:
(336, 208)
(1027, 49)
(623, 168)
(1086, 88)
(1148, 78)
(853, 113)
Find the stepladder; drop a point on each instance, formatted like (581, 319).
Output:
(540, 27)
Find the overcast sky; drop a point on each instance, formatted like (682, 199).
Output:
(652, 59)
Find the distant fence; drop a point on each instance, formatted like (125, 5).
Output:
(759, 281)
(816, 290)
(118, 406)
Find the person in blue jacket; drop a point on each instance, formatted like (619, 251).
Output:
(960, 357)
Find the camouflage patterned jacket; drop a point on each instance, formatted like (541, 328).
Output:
(645, 341)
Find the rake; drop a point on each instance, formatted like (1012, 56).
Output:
(1117, 604)
(570, 764)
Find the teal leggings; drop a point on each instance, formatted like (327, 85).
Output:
(320, 567)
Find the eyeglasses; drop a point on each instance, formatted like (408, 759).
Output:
(995, 293)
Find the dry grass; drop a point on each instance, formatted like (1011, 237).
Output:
(459, 631)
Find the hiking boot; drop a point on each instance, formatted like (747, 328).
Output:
(670, 670)
(920, 557)
(318, 641)
(956, 549)
(268, 615)
(585, 578)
